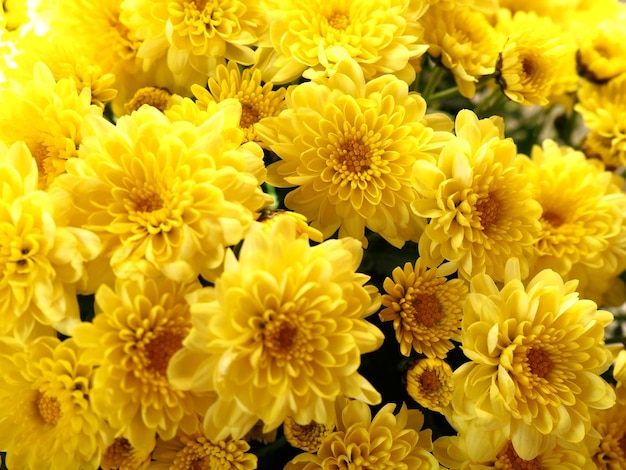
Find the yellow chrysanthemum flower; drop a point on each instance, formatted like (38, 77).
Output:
(583, 224)
(292, 341)
(307, 437)
(46, 415)
(41, 259)
(536, 354)
(467, 44)
(383, 36)
(429, 382)
(136, 330)
(48, 115)
(257, 101)
(349, 145)
(425, 307)
(196, 451)
(610, 453)
(154, 190)
(188, 39)
(121, 455)
(596, 146)
(478, 201)
(534, 49)
(601, 54)
(269, 218)
(158, 98)
(384, 441)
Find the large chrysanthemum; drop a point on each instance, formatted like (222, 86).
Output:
(166, 196)
(137, 329)
(386, 441)
(425, 307)
(350, 146)
(48, 116)
(478, 201)
(46, 416)
(383, 36)
(536, 354)
(41, 260)
(292, 341)
(583, 224)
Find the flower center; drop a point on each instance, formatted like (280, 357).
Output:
(117, 453)
(249, 116)
(427, 309)
(508, 459)
(339, 21)
(539, 362)
(553, 219)
(49, 408)
(280, 337)
(488, 209)
(154, 96)
(160, 350)
(429, 381)
(146, 199)
(355, 156)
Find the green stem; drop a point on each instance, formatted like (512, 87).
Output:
(434, 79)
(443, 94)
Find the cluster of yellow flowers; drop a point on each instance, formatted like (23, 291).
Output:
(312, 234)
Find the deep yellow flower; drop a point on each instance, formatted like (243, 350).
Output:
(536, 354)
(595, 145)
(583, 224)
(349, 145)
(158, 98)
(465, 41)
(46, 415)
(601, 53)
(610, 453)
(381, 35)
(137, 329)
(428, 382)
(258, 101)
(425, 307)
(478, 201)
(307, 437)
(292, 341)
(166, 197)
(48, 115)
(121, 455)
(41, 259)
(384, 441)
(534, 49)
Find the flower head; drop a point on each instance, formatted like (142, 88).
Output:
(478, 201)
(292, 341)
(384, 441)
(46, 416)
(137, 329)
(428, 382)
(611, 426)
(601, 55)
(536, 354)
(425, 307)
(307, 437)
(121, 455)
(349, 147)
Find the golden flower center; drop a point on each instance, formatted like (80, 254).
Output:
(117, 453)
(146, 199)
(429, 381)
(280, 338)
(338, 21)
(160, 349)
(508, 459)
(157, 97)
(249, 116)
(553, 219)
(539, 362)
(355, 156)
(488, 209)
(40, 153)
(427, 309)
(528, 66)
(49, 408)
(307, 437)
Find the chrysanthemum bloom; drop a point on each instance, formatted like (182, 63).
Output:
(166, 197)
(452, 451)
(467, 44)
(610, 453)
(41, 259)
(603, 108)
(307, 437)
(383, 36)
(136, 330)
(601, 54)
(159, 98)
(190, 38)
(384, 441)
(48, 116)
(425, 307)
(536, 354)
(583, 224)
(428, 382)
(595, 145)
(269, 218)
(46, 416)
(350, 146)
(478, 201)
(292, 341)
(121, 455)
(534, 49)
(258, 101)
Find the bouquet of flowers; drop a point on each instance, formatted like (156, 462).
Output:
(306, 234)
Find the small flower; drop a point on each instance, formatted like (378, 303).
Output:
(268, 219)
(611, 426)
(257, 101)
(601, 55)
(307, 437)
(478, 200)
(358, 441)
(425, 307)
(46, 415)
(292, 341)
(428, 382)
(158, 98)
(535, 351)
(349, 147)
(121, 455)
